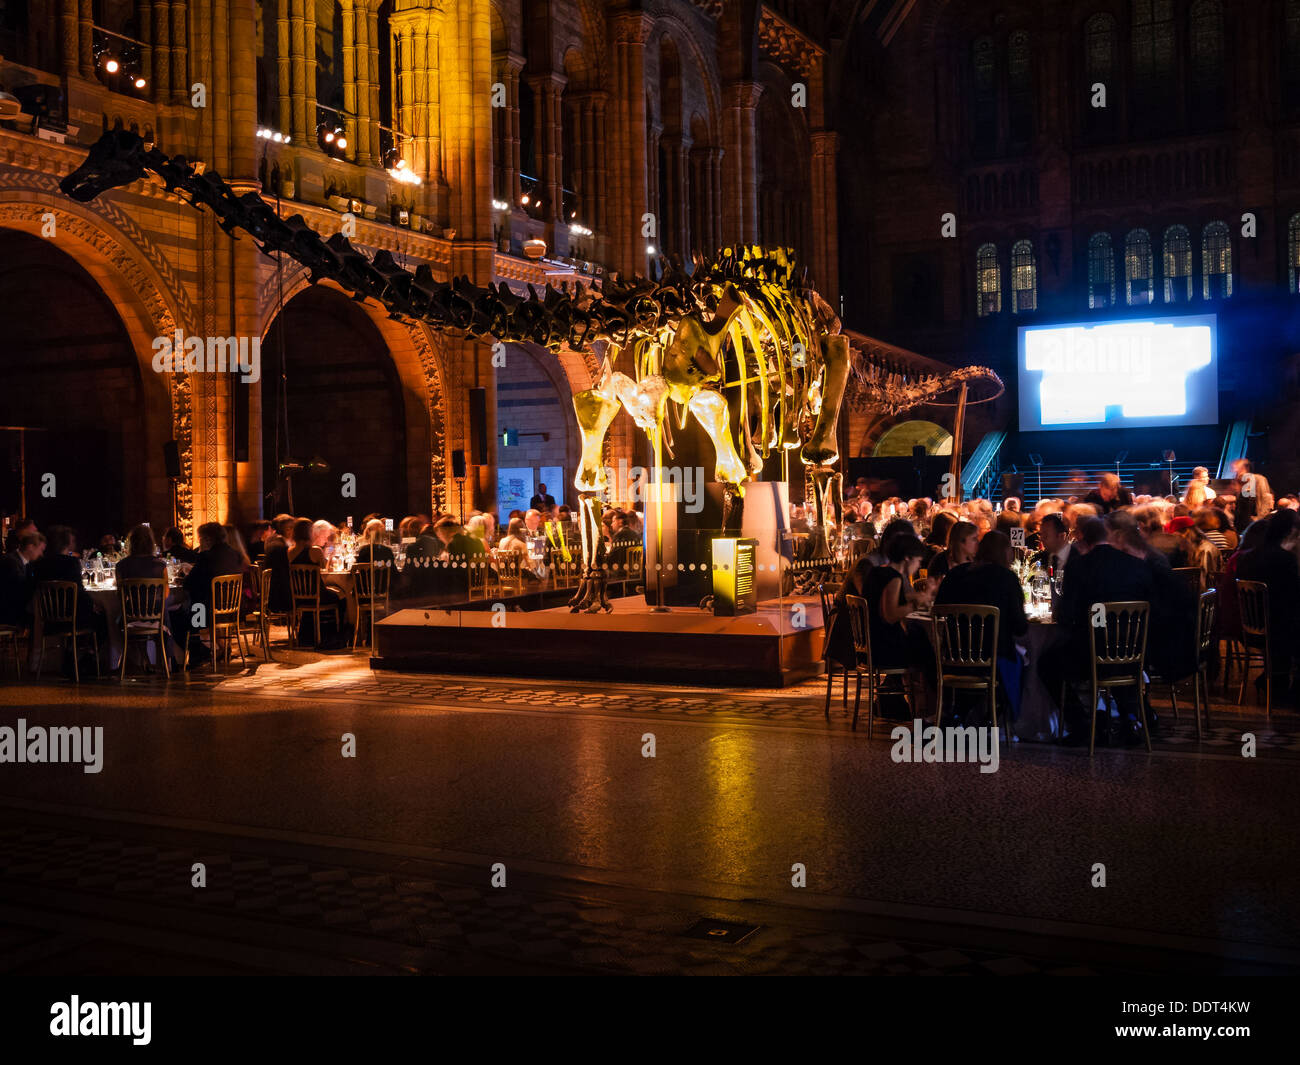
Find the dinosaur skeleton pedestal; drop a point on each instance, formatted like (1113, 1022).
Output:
(687, 540)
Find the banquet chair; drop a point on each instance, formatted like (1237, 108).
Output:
(508, 566)
(56, 602)
(1252, 603)
(966, 654)
(144, 618)
(629, 571)
(1192, 576)
(1203, 637)
(304, 587)
(478, 576)
(1118, 660)
(224, 619)
(263, 617)
(9, 635)
(370, 585)
(860, 623)
(829, 610)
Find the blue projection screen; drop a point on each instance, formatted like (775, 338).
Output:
(1120, 374)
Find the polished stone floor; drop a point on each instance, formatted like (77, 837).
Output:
(383, 862)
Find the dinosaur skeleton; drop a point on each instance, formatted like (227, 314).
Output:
(741, 344)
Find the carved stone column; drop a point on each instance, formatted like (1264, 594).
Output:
(86, 39)
(162, 52)
(350, 79)
(70, 36)
(740, 187)
(180, 54)
(284, 67)
(304, 125)
(548, 133)
(825, 216)
(626, 156)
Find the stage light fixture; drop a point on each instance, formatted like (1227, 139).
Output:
(342, 143)
(111, 65)
(279, 138)
(650, 249)
(329, 137)
(139, 83)
(525, 199)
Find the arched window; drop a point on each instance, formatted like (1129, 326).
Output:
(1293, 252)
(1137, 268)
(1216, 261)
(1024, 277)
(1100, 34)
(1177, 264)
(984, 94)
(1205, 26)
(1020, 87)
(1153, 62)
(988, 281)
(1101, 271)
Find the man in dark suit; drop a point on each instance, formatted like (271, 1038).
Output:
(541, 501)
(216, 558)
(1055, 538)
(173, 543)
(1109, 495)
(18, 579)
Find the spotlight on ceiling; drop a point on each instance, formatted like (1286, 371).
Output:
(342, 143)
(139, 83)
(111, 65)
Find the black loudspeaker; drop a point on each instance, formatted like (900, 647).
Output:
(458, 463)
(478, 426)
(172, 459)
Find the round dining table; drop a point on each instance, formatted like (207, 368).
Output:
(1039, 717)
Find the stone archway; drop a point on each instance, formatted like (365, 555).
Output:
(534, 395)
(898, 440)
(150, 301)
(419, 359)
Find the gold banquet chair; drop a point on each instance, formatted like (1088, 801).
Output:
(966, 654)
(1118, 660)
(1252, 603)
(56, 602)
(371, 581)
(478, 575)
(304, 587)
(224, 619)
(264, 617)
(860, 622)
(144, 617)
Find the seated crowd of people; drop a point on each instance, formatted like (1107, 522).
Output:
(435, 548)
(1104, 547)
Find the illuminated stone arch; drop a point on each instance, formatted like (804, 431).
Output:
(151, 302)
(898, 439)
(419, 358)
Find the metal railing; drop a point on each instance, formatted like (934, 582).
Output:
(984, 466)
